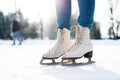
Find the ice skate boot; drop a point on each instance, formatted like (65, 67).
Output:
(81, 47)
(61, 47)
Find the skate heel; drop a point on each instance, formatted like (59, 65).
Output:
(88, 55)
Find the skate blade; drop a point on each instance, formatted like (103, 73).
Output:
(49, 63)
(56, 63)
(78, 64)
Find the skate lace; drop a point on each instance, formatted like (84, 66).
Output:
(79, 37)
(57, 46)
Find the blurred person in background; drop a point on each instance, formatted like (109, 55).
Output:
(16, 30)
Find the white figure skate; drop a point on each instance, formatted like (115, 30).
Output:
(61, 47)
(82, 46)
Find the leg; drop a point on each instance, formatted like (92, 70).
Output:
(86, 18)
(19, 37)
(83, 43)
(63, 9)
(86, 10)
(13, 37)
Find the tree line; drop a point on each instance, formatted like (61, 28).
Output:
(28, 30)
(37, 30)
(48, 29)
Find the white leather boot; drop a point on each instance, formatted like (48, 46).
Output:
(82, 46)
(61, 47)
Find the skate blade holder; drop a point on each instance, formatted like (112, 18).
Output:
(75, 62)
(48, 61)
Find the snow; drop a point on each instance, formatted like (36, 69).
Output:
(22, 62)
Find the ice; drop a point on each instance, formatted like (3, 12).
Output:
(21, 62)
